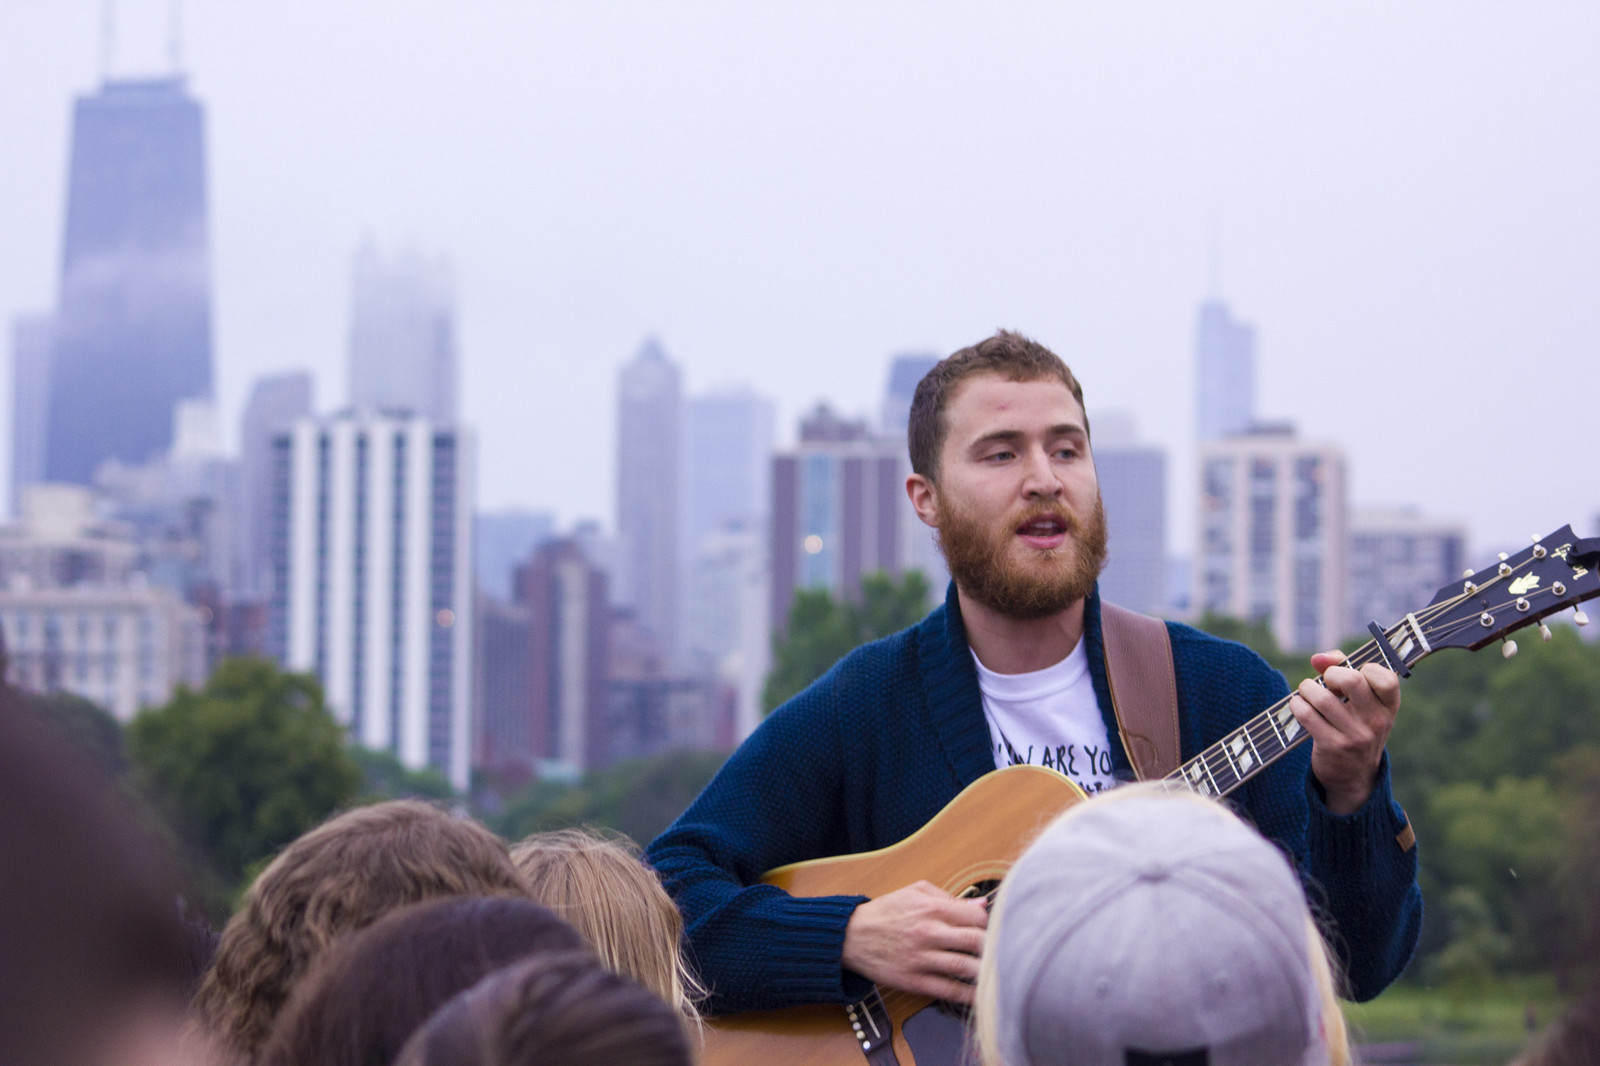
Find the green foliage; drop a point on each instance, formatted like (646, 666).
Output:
(823, 630)
(637, 798)
(384, 777)
(243, 766)
(1497, 764)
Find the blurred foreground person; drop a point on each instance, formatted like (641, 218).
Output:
(603, 888)
(340, 877)
(1146, 927)
(551, 1010)
(1575, 1040)
(371, 991)
(93, 955)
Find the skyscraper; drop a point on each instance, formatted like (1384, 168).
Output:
(1273, 535)
(839, 511)
(649, 410)
(1133, 487)
(30, 390)
(275, 403)
(1398, 560)
(730, 448)
(371, 542)
(569, 630)
(1225, 373)
(904, 373)
(403, 335)
(132, 330)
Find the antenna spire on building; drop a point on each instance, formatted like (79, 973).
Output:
(175, 35)
(108, 36)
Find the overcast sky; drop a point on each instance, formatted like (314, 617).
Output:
(1404, 198)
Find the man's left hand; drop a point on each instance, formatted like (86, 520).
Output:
(1349, 717)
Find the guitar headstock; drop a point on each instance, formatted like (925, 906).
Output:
(1552, 574)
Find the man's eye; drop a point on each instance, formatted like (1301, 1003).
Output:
(1002, 456)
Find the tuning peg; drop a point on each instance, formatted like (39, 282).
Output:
(1534, 537)
(1504, 557)
(1468, 572)
(1544, 631)
(1510, 649)
(1579, 617)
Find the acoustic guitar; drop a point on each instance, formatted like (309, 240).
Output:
(970, 845)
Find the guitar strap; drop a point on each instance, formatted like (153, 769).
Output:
(1144, 689)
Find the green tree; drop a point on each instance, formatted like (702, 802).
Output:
(638, 798)
(384, 777)
(823, 630)
(243, 766)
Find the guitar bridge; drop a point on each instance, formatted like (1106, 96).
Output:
(873, 1030)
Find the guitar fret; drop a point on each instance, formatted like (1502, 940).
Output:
(1196, 768)
(1282, 743)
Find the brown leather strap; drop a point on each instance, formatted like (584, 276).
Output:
(1144, 690)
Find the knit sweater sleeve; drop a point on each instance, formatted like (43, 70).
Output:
(1358, 871)
(774, 802)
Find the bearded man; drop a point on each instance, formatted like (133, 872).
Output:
(1010, 669)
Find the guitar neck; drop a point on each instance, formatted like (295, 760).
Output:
(1226, 765)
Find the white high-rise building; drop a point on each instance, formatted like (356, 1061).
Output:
(275, 403)
(1225, 373)
(1273, 535)
(1133, 487)
(403, 335)
(371, 544)
(77, 616)
(649, 424)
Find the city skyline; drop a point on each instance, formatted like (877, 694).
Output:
(1418, 248)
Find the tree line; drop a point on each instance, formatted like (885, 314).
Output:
(1496, 762)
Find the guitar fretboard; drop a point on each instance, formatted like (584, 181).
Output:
(1269, 736)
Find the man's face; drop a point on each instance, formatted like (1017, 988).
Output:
(1017, 503)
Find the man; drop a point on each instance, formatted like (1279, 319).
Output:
(1011, 666)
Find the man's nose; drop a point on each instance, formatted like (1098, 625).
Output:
(1040, 480)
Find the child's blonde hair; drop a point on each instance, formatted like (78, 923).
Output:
(599, 883)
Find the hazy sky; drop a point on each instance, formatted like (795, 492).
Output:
(1404, 198)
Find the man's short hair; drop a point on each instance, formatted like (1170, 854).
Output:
(1007, 354)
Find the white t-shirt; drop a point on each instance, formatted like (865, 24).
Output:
(1049, 718)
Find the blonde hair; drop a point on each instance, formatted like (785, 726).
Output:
(986, 1026)
(600, 884)
(341, 876)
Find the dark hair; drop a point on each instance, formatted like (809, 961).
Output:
(89, 918)
(1574, 1040)
(1006, 354)
(551, 1010)
(371, 990)
(342, 876)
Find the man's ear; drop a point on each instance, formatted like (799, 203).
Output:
(924, 499)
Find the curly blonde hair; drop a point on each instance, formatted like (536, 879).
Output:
(599, 883)
(341, 876)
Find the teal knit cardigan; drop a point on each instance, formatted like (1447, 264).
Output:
(879, 744)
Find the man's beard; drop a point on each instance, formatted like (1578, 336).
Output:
(1046, 583)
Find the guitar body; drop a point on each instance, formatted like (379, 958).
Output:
(975, 839)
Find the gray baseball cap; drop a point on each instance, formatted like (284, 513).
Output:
(1155, 930)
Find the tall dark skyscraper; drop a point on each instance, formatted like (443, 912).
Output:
(132, 331)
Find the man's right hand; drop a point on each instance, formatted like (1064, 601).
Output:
(918, 939)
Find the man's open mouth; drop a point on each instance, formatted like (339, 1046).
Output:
(1044, 526)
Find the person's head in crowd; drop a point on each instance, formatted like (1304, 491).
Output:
(1574, 1040)
(370, 991)
(602, 886)
(340, 877)
(562, 1009)
(92, 952)
(1149, 926)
